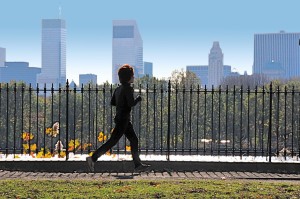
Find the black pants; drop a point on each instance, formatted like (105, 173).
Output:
(122, 127)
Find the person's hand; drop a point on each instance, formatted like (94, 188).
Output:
(138, 98)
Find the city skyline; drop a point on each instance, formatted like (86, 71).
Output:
(172, 41)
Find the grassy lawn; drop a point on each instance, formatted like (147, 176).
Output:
(148, 189)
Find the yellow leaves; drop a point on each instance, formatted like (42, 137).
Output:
(62, 154)
(101, 137)
(74, 144)
(128, 148)
(33, 147)
(108, 153)
(91, 153)
(26, 147)
(27, 136)
(41, 154)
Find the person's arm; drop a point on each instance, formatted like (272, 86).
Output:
(113, 100)
(130, 99)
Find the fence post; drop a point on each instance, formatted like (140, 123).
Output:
(67, 121)
(169, 120)
(270, 124)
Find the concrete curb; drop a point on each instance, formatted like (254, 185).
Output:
(158, 166)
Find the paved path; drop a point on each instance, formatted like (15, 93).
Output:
(151, 175)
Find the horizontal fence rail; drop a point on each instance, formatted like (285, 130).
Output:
(171, 119)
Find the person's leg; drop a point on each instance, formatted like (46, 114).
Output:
(112, 141)
(131, 136)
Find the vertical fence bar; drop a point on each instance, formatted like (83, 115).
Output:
(67, 121)
(255, 121)
(74, 117)
(30, 112)
(183, 119)
(97, 131)
(147, 118)
(176, 118)
(81, 130)
(7, 118)
(22, 114)
(270, 124)
(285, 121)
(169, 120)
(52, 117)
(204, 125)
(233, 123)
(277, 122)
(190, 120)
(241, 122)
(212, 121)
(15, 118)
(59, 114)
(248, 121)
(293, 95)
(37, 118)
(89, 116)
(198, 104)
(263, 120)
(161, 119)
(219, 121)
(226, 121)
(154, 118)
(44, 125)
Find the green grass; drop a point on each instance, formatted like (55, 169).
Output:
(148, 189)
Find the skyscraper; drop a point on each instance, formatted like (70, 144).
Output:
(215, 65)
(127, 47)
(148, 69)
(53, 53)
(2, 56)
(277, 55)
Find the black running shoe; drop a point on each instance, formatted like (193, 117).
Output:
(141, 167)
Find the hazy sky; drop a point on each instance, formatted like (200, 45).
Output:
(175, 33)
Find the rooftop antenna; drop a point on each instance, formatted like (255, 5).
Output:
(59, 12)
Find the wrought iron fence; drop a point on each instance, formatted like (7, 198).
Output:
(171, 119)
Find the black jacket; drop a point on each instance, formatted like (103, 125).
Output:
(123, 99)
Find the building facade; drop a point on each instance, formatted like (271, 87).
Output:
(201, 72)
(19, 72)
(148, 69)
(277, 55)
(2, 56)
(87, 79)
(127, 48)
(53, 53)
(215, 65)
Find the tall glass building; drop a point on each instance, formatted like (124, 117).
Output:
(148, 69)
(277, 55)
(127, 47)
(53, 53)
(2, 56)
